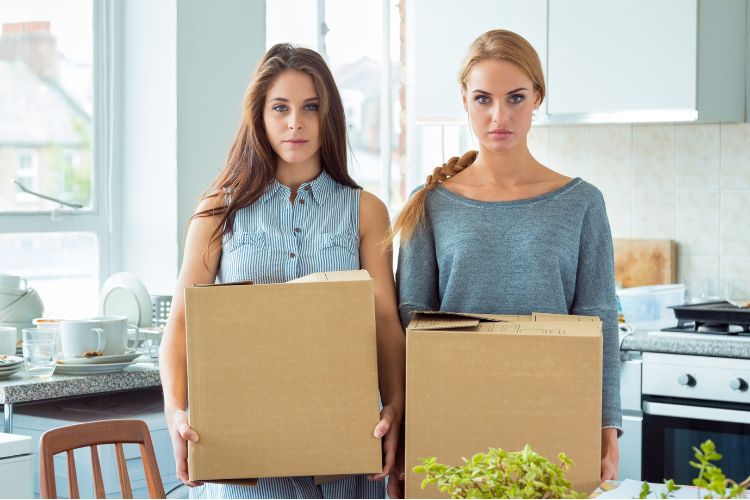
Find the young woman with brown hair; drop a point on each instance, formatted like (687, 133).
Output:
(285, 206)
(495, 231)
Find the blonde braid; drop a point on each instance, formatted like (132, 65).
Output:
(413, 212)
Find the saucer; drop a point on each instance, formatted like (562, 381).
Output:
(99, 360)
(7, 373)
(90, 369)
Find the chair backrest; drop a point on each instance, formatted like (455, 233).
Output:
(92, 434)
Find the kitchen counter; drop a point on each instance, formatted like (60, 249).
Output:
(688, 343)
(20, 389)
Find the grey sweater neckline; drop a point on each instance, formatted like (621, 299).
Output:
(512, 203)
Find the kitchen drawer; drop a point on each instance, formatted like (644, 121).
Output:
(16, 477)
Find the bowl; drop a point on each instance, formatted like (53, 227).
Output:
(25, 309)
(9, 296)
(647, 307)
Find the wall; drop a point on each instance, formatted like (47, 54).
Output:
(181, 69)
(686, 182)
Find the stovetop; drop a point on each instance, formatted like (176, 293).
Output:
(712, 318)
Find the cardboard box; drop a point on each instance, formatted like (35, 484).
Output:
(283, 379)
(475, 382)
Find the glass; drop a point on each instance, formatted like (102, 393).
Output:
(39, 351)
(62, 267)
(46, 58)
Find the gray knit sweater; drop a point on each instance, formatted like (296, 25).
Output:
(551, 253)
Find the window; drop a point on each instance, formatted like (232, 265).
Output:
(54, 129)
(364, 58)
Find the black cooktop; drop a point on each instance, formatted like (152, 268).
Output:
(719, 317)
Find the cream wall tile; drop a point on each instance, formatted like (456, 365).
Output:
(611, 155)
(619, 210)
(697, 222)
(700, 274)
(654, 156)
(698, 155)
(538, 142)
(654, 214)
(735, 155)
(569, 150)
(735, 278)
(735, 222)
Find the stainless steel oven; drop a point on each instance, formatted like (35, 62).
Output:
(686, 400)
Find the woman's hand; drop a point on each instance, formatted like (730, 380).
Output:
(181, 433)
(610, 455)
(389, 426)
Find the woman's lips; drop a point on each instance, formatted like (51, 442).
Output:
(296, 142)
(500, 133)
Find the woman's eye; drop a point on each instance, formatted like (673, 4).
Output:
(311, 107)
(482, 99)
(517, 98)
(280, 107)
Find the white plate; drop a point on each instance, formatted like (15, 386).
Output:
(10, 366)
(6, 360)
(124, 294)
(98, 360)
(71, 369)
(7, 373)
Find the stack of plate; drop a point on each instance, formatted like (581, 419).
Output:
(9, 365)
(96, 364)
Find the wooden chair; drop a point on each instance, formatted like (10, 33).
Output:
(92, 434)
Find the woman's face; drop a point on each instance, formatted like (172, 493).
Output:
(500, 99)
(291, 117)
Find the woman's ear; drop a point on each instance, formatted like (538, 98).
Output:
(463, 100)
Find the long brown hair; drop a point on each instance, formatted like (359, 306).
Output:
(251, 163)
(494, 44)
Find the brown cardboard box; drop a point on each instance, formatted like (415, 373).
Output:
(283, 379)
(475, 382)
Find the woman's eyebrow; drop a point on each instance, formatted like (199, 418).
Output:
(287, 100)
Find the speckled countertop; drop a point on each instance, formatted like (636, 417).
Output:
(19, 388)
(688, 343)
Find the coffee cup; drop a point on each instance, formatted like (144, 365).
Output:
(81, 337)
(117, 332)
(11, 281)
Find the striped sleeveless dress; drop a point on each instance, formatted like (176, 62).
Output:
(274, 241)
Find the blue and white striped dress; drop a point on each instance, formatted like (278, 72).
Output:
(274, 241)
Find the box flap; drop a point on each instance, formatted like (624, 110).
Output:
(356, 275)
(206, 285)
(441, 320)
(561, 317)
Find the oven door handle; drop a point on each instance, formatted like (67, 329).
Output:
(696, 412)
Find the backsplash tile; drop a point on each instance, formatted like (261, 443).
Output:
(697, 218)
(734, 283)
(735, 155)
(688, 182)
(735, 223)
(698, 156)
(654, 156)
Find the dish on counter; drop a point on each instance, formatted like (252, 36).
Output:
(90, 369)
(99, 360)
(123, 294)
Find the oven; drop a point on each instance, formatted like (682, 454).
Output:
(687, 400)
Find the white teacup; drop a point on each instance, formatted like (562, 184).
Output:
(117, 331)
(81, 336)
(11, 281)
(7, 340)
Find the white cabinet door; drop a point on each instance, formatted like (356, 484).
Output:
(17, 477)
(439, 33)
(622, 56)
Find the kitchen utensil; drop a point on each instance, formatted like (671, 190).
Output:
(39, 351)
(648, 307)
(117, 332)
(90, 369)
(161, 305)
(645, 262)
(82, 336)
(11, 281)
(124, 294)
(99, 360)
(26, 308)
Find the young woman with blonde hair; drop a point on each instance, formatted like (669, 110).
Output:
(495, 231)
(285, 206)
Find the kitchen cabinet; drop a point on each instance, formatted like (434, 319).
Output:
(439, 33)
(644, 61)
(16, 466)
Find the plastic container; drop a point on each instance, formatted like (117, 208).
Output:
(647, 307)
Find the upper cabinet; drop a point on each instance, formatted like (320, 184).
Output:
(438, 36)
(606, 61)
(646, 61)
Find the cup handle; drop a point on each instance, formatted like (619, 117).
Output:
(135, 337)
(25, 284)
(102, 339)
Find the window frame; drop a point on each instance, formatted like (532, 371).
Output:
(98, 218)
